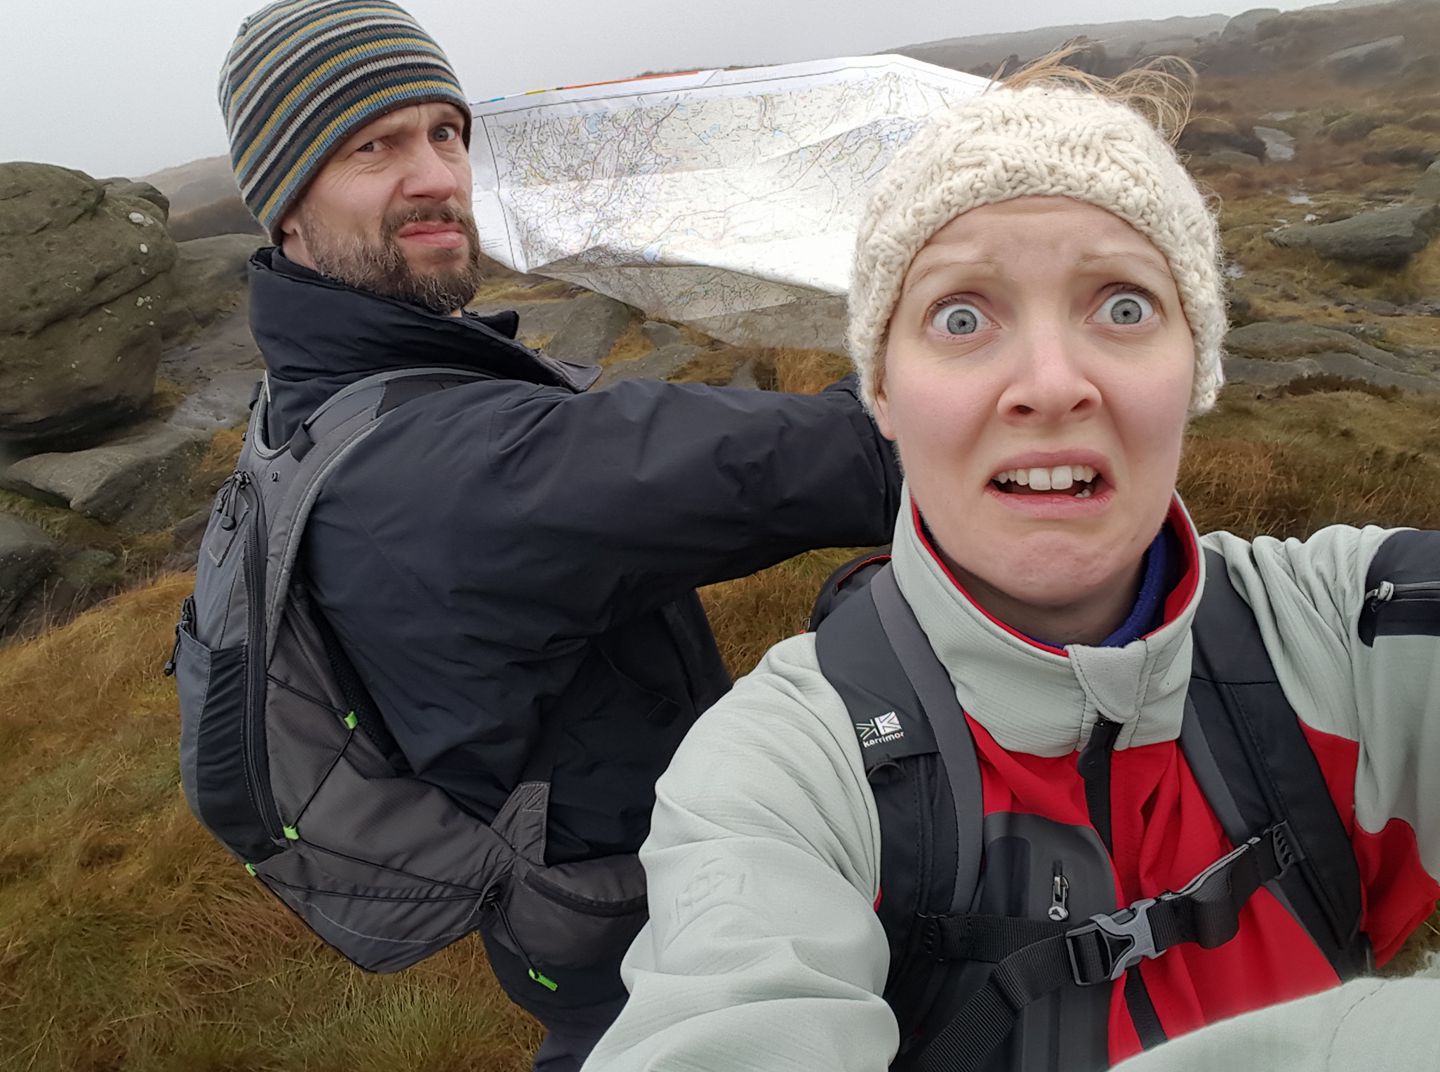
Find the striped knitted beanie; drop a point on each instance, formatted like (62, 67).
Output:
(1037, 141)
(303, 75)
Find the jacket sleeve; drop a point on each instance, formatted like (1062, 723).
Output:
(1366, 1024)
(629, 497)
(1351, 620)
(763, 950)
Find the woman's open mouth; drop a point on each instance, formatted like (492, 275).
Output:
(1054, 481)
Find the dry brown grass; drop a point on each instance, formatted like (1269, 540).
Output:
(631, 344)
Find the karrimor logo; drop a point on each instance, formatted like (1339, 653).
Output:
(879, 730)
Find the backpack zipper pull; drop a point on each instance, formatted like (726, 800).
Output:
(493, 899)
(174, 654)
(1059, 895)
(228, 506)
(1381, 593)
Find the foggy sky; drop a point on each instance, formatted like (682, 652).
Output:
(125, 87)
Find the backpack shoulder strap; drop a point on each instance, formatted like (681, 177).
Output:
(1244, 743)
(923, 773)
(291, 477)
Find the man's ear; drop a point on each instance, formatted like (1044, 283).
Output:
(292, 241)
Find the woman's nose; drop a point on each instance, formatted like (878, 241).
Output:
(1051, 377)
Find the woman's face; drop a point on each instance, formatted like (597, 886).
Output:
(1037, 378)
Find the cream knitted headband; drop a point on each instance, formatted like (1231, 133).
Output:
(1038, 140)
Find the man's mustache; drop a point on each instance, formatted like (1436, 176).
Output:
(436, 214)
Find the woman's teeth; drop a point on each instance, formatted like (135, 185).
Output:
(1055, 478)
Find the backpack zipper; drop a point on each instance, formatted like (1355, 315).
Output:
(255, 759)
(494, 899)
(1059, 910)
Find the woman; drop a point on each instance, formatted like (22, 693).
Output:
(1035, 311)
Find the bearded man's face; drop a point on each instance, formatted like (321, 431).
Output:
(390, 213)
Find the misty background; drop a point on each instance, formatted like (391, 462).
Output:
(129, 88)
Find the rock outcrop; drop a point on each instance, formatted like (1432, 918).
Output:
(85, 271)
(26, 558)
(1272, 353)
(210, 276)
(1370, 59)
(136, 480)
(1385, 238)
(1207, 134)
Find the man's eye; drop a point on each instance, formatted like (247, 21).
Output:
(1126, 307)
(448, 132)
(958, 318)
(368, 147)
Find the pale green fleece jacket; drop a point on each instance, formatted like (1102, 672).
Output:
(764, 952)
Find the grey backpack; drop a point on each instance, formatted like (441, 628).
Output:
(284, 759)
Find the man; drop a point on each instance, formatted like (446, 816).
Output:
(509, 564)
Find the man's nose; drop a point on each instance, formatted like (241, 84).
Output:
(429, 175)
(1051, 376)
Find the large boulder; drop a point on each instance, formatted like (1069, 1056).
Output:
(85, 273)
(140, 480)
(210, 276)
(26, 558)
(1207, 134)
(1385, 238)
(658, 364)
(138, 188)
(1368, 60)
(591, 329)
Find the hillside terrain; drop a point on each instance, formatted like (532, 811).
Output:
(130, 941)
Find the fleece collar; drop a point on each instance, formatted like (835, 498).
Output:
(1044, 700)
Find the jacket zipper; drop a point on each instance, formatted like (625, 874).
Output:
(1389, 592)
(255, 760)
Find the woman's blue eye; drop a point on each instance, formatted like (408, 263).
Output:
(1126, 307)
(958, 318)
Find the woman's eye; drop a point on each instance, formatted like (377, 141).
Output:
(1127, 307)
(958, 318)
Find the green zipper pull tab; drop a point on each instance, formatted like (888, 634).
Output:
(544, 980)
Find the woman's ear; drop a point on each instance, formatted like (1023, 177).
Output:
(881, 407)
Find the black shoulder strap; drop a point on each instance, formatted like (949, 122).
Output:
(903, 708)
(1244, 743)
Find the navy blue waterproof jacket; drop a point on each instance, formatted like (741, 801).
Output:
(517, 557)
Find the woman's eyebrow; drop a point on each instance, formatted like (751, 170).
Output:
(1153, 261)
(979, 266)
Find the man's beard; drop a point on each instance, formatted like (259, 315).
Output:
(381, 267)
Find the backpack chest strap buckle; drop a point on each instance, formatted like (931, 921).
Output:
(1107, 946)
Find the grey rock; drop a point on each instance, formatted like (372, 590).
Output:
(1372, 58)
(539, 320)
(660, 334)
(1387, 237)
(223, 402)
(85, 273)
(139, 480)
(1207, 134)
(594, 324)
(83, 576)
(209, 277)
(223, 346)
(1428, 189)
(656, 365)
(745, 376)
(1244, 24)
(1268, 373)
(1357, 368)
(26, 558)
(1223, 160)
(139, 189)
(1269, 340)
(1351, 128)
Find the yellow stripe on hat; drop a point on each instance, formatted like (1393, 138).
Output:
(308, 28)
(257, 140)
